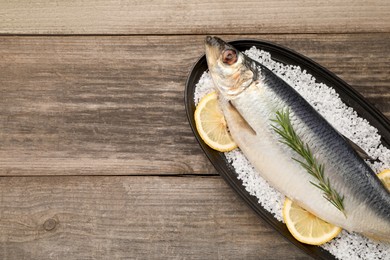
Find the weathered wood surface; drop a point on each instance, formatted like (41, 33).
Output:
(115, 105)
(132, 218)
(100, 93)
(193, 17)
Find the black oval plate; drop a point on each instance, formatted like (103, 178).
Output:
(285, 56)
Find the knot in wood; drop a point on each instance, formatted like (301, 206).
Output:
(50, 224)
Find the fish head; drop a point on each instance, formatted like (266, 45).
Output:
(230, 70)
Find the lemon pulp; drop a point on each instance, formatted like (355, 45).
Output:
(306, 227)
(211, 125)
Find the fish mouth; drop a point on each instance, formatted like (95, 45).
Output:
(213, 41)
(214, 48)
(217, 44)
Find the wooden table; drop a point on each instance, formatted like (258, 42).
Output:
(97, 159)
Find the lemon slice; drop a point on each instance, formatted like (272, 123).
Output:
(211, 124)
(384, 176)
(306, 227)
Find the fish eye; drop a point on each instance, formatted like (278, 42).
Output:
(229, 57)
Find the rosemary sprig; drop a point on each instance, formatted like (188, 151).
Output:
(309, 162)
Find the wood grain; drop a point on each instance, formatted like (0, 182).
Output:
(115, 105)
(199, 17)
(132, 218)
(97, 88)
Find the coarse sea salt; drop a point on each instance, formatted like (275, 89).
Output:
(328, 103)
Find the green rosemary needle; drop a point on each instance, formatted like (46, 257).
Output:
(309, 162)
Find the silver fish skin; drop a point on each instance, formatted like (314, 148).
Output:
(250, 95)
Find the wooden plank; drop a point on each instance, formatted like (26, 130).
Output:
(186, 17)
(133, 218)
(115, 105)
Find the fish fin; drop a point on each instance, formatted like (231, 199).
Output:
(243, 123)
(359, 150)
